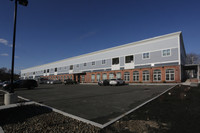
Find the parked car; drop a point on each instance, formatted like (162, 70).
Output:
(42, 81)
(1, 84)
(28, 83)
(104, 82)
(69, 81)
(55, 82)
(116, 82)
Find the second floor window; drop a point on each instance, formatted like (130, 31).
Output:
(93, 63)
(103, 61)
(71, 67)
(55, 69)
(129, 59)
(145, 56)
(166, 52)
(85, 64)
(115, 61)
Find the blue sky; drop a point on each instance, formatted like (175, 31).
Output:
(51, 30)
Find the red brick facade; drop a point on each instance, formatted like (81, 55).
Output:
(88, 75)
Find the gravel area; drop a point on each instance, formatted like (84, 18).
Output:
(177, 111)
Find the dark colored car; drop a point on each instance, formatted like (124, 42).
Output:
(28, 83)
(69, 81)
(104, 82)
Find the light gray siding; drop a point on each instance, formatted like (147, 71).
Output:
(156, 57)
(153, 45)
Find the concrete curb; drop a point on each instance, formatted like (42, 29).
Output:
(1, 130)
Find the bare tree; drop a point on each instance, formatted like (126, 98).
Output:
(193, 58)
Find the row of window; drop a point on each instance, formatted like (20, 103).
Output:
(169, 75)
(115, 61)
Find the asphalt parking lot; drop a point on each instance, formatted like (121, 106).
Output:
(96, 103)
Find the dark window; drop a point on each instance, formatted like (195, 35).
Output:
(55, 69)
(34, 73)
(145, 56)
(85, 64)
(44, 71)
(115, 61)
(103, 61)
(93, 63)
(48, 70)
(71, 67)
(129, 59)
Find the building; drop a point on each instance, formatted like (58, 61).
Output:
(158, 59)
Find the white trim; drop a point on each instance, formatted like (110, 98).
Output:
(179, 50)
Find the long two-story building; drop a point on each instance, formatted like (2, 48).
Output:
(158, 59)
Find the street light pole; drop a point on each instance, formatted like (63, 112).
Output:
(24, 3)
(13, 48)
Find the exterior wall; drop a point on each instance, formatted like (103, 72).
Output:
(154, 46)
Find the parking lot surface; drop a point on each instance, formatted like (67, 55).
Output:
(96, 103)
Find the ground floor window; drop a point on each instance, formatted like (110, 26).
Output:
(145, 75)
(157, 75)
(135, 76)
(98, 77)
(111, 76)
(83, 78)
(119, 75)
(170, 74)
(126, 76)
(104, 76)
(93, 78)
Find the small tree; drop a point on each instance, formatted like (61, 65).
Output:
(193, 58)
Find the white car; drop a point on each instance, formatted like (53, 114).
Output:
(55, 82)
(116, 82)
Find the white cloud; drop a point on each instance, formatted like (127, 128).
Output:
(17, 57)
(4, 54)
(3, 41)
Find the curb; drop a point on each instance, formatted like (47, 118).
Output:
(1, 130)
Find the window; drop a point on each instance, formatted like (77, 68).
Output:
(93, 63)
(103, 62)
(33, 73)
(145, 56)
(145, 75)
(157, 75)
(166, 52)
(93, 78)
(71, 67)
(118, 75)
(135, 76)
(47, 70)
(44, 71)
(85, 64)
(98, 77)
(104, 76)
(170, 74)
(111, 76)
(83, 78)
(55, 69)
(71, 77)
(115, 61)
(77, 65)
(126, 76)
(129, 59)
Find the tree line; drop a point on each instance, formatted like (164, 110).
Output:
(5, 74)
